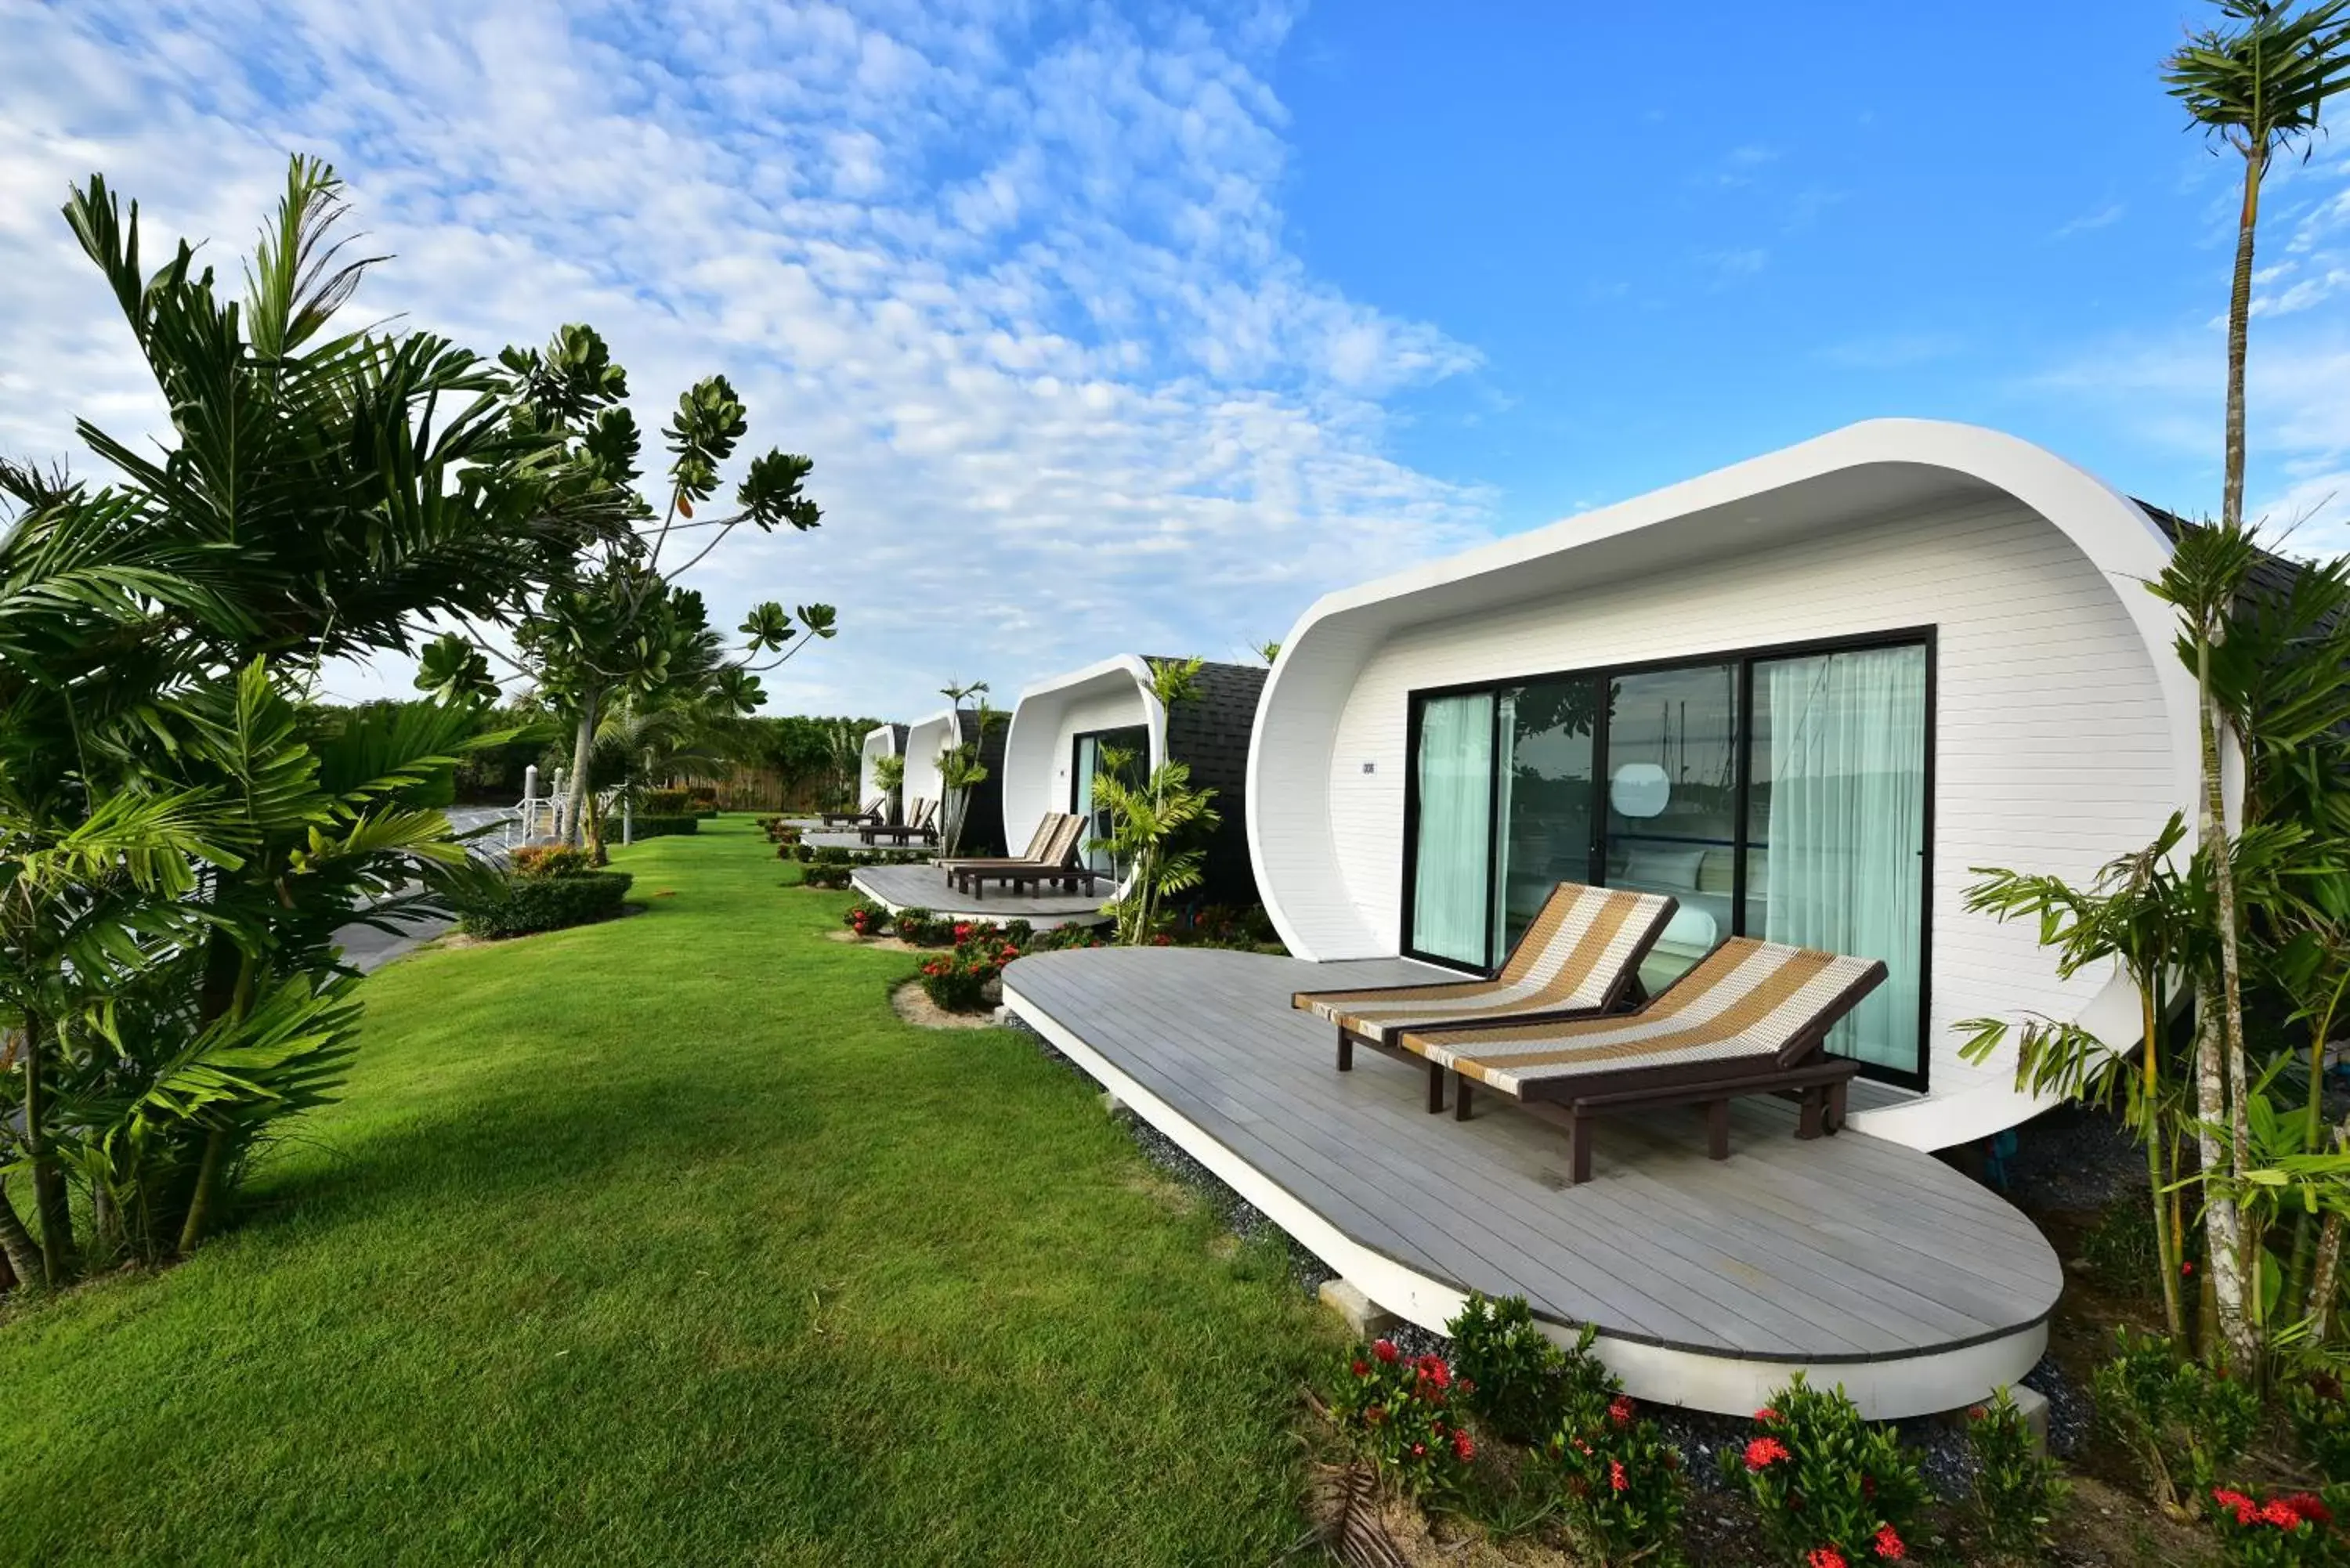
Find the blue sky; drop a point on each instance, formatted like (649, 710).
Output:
(1135, 328)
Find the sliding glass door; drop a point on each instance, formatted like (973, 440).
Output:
(1836, 813)
(1452, 780)
(1779, 793)
(1123, 753)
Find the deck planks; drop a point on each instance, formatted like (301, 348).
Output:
(926, 888)
(1842, 1249)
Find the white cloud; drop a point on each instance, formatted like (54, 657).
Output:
(2094, 219)
(1015, 277)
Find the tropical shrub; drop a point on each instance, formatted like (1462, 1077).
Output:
(2181, 1419)
(532, 904)
(550, 861)
(650, 827)
(819, 874)
(2017, 1488)
(1511, 1376)
(1829, 1487)
(867, 918)
(2321, 1420)
(908, 923)
(182, 834)
(2287, 1529)
(1623, 1487)
(958, 981)
(667, 802)
(1397, 1412)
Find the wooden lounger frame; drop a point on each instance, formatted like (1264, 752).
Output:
(922, 825)
(851, 818)
(971, 876)
(1800, 1070)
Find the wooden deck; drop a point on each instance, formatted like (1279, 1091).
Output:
(926, 886)
(1878, 1264)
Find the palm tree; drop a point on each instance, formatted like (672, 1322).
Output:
(2259, 87)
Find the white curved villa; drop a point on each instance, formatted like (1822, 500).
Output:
(1805, 695)
(1065, 726)
(882, 741)
(928, 740)
(1844, 675)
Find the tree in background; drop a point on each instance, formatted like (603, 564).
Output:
(616, 627)
(181, 838)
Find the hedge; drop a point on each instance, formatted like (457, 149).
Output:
(658, 826)
(547, 904)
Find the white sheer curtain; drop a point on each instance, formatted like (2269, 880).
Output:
(1846, 833)
(1450, 908)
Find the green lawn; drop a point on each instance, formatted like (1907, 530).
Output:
(664, 1241)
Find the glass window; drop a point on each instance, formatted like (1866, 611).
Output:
(1453, 846)
(1672, 804)
(1782, 797)
(1548, 731)
(1836, 822)
(1125, 754)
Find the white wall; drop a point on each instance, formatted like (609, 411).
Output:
(879, 743)
(1036, 756)
(924, 742)
(2053, 752)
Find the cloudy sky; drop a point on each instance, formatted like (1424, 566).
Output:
(1133, 327)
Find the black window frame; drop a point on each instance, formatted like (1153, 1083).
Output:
(1745, 658)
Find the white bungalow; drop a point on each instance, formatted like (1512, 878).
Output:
(1841, 677)
(1807, 695)
(1066, 726)
(882, 741)
(928, 740)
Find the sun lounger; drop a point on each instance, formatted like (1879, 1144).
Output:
(1039, 842)
(1752, 1018)
(1578, 957)
(1056, 863)
(869, 812)
(920, 822)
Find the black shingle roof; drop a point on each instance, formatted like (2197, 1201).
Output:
(1212, 735)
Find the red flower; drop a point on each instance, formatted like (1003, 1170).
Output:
(2186, 1265)
(1825, 1557)
(1763, 1452)
(1766, 1414)
(2245, 1509)
(1362, 1367)
(1011, 953)
(1419, 1451)
(1888, 1545)
(1386, 1351)
(1977, 1412)
(2282, 1514)
(1432, 1371)
(1162, 941)
(1619, 1409)
(962, 931)
(2308, 1506)
(1616, 1475)
(1374, 1416)
(1462, 1448)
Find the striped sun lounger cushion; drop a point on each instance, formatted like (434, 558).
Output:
(1057, 849)
(1747, 1000)
(1574, 958)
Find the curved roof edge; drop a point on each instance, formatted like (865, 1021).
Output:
(1318, 661)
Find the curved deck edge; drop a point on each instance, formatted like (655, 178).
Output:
(1885, 1388)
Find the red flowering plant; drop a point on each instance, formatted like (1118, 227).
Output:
(2283, 1529)
(1400, 1411)
(1622, 1489)
(1829, 1487)
(958, 981)
(865, 919)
